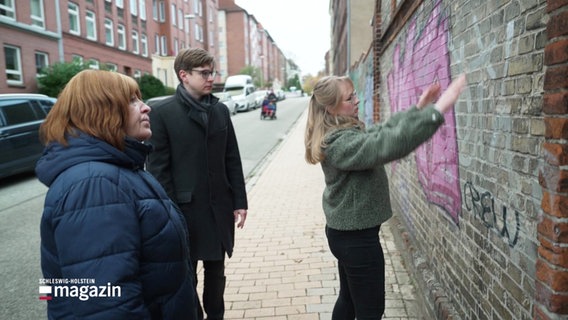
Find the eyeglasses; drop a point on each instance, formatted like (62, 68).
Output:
(205, 74)
(352, 97)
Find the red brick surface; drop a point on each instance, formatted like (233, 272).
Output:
(552, 263)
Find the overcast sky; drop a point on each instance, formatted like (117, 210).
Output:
(300, 28)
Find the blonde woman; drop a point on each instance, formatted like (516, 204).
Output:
(356, 197)
(105, 218)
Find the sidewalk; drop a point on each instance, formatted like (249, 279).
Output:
(281, 268)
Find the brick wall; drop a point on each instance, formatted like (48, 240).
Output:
(485, 238)
(236, 22)
(552, 262)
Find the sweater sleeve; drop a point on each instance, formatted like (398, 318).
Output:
(351, 149)
(97, 235)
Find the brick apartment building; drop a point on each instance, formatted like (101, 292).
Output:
(249, 44)
(132, 37)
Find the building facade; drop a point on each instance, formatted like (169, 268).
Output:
(351, 32)
(248, 44)
(31, 40)
(133, 37)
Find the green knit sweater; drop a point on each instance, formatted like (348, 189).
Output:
(356, 195)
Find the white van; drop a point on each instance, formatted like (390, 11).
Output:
(241, 89)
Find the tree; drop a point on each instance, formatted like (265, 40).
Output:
(310, 82)
(151, 87)
(294, 82)
(53, 79)
(255, 74)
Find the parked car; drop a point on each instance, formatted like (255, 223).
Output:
(243, 96)
(152, 101)
(20, 118)
(241, 89)
(226, 98)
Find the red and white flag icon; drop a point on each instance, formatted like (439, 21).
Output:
(45, 293)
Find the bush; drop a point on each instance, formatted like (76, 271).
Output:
(151, 87)
(170, 91)
(53, 79)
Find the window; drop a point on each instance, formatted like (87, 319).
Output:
(164, 45)
(176, 48)
(19, 111)
(144, 44)
(134, 7)
(8, 9)
(36, 13)
(74, 25)
(198, 32)
(135, 44)
(120, 4)
(180, 19)
(197, 8)
(211, 42)
(91, 25)
(137, 74)
(143, 9)
(121, 37)
(94, 64)
(109, 32)
(108, 6)
(155, 10)
(13, 62)
(156, 44)
(173, 15)
(162, 11)
(111, 67)
(45, 105)
(41, 60)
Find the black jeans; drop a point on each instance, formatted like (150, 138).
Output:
(213, 289)
(361, 265)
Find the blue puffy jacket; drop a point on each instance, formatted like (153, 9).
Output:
(108, 221)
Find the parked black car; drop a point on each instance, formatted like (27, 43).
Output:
(20, 118)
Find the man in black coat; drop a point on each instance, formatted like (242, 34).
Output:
(196, 158)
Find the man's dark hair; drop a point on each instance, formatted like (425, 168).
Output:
(189, 59)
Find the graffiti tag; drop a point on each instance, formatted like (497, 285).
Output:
(483, 207)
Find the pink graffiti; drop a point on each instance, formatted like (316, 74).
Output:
(422, 60)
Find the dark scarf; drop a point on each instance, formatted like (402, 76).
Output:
(202, 107)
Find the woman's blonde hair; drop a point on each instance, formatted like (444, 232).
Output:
(327, 96)
(94, 102)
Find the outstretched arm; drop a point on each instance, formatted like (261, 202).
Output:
(448, 97)
(429, 95)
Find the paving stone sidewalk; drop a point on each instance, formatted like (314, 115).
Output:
(282, 268)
